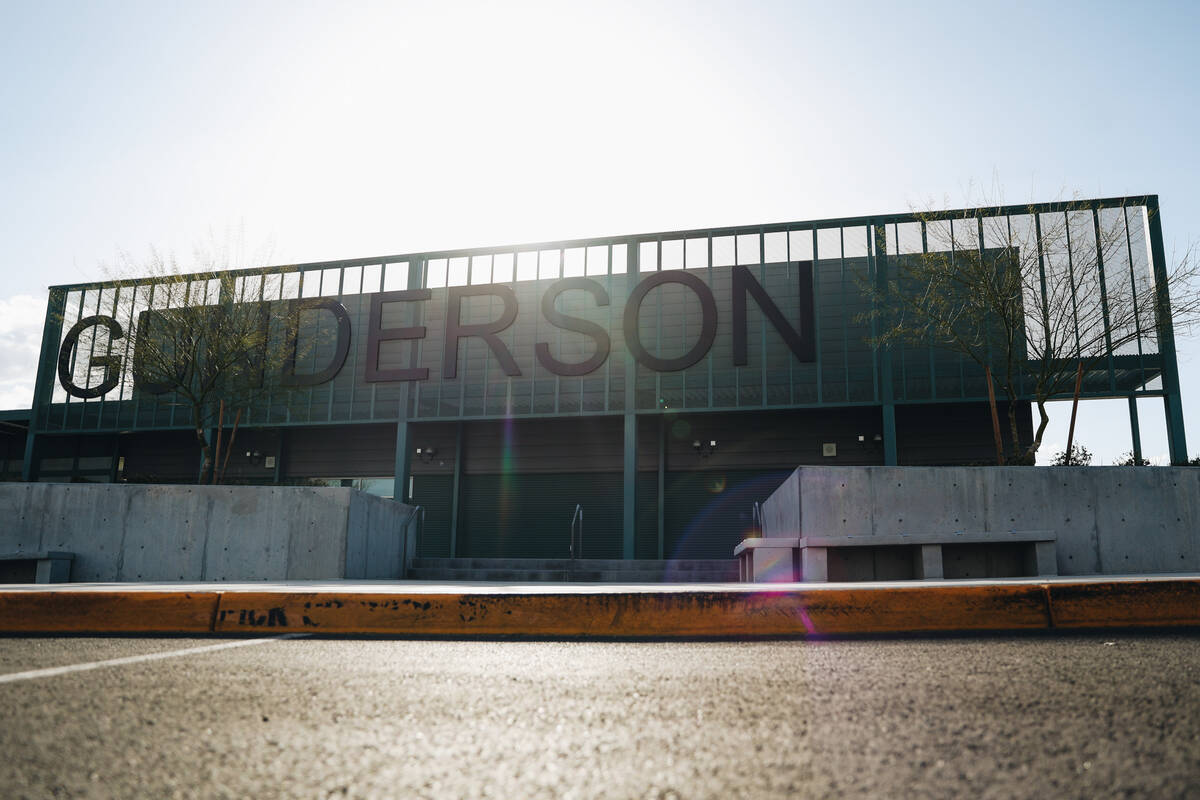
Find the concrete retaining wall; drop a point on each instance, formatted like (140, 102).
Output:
(1109, 520)
(125, 532)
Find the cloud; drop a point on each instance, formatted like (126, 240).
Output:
(21, 320)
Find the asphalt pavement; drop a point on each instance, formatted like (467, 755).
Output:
(1111, 714)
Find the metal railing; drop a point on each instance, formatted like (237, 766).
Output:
(576, 549)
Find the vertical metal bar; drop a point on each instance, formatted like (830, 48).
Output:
(629, 451)
(658, 311)
(1135, 431)
(43, 391)
(280, 455)
(74, 358)
(932, 355)
(1071, 277)
(113, 314)
(629, 485)
(1108, 348)
(1172, 400)
(886, 389)
(762, 323)
(787, 254)
(562, 266)
(403, 462)
(1133, 294)
(737, 371)
(608, 362)
(817, 303)
(662, 485)
(845, 323)
(456, 487)
(708, 359)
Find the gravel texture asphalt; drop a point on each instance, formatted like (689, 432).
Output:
(1107, 715)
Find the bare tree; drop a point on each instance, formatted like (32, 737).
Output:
(1033, 296)
(208, 341)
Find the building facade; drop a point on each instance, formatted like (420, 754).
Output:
(663, 383)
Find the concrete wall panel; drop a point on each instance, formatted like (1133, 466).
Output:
(781, 511)
(1108, 520)
(319, 540)
(1060, 499)
(86, 519)
(164, 532)
(127, 532)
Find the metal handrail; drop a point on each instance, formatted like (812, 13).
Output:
(578, 515)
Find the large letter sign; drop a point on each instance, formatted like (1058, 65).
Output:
(568, 323)
(111, 363)
(708, 321)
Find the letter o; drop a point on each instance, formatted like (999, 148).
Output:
(708, 321)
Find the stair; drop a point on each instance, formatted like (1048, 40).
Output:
(565, 570)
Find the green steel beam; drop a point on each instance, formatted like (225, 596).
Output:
(1135, 430)
(455, 490)
(629, 457)
(44, 384)
(1172, 400)
(887, 388)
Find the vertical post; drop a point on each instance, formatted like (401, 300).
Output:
(280, 454)
(43, 391)
(662, 483)
(454, 488)
(404, 428)
(629, 462)
(629, 474)
(403, 466)
(1135, 430)
(1172, 401)
(887, 389)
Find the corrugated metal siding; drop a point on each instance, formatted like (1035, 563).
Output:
(341, 451)
(161, 457)
(529, 516)
(708, 513)
(548, 445)
(434, 494)
(954, 433)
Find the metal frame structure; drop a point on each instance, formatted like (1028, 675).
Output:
(839, 250)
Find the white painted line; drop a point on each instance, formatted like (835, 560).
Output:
(50, 672)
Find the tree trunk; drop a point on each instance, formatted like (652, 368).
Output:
(1014, 431)
(206, 451)
(1043, 421)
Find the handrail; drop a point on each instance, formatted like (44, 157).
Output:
(757, 517)
(578, 515)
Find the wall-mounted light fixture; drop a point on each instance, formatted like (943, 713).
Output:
(426, 454)
(705, 449)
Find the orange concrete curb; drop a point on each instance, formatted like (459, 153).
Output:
(774, 611)
(107, 612)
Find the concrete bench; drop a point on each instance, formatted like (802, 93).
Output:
(47, 566)
(809, 555)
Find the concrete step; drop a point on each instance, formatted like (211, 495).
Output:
(580, 563)
(581, 570)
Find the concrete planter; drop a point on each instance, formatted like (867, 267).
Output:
(1108, 520)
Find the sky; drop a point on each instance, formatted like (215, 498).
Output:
(307, 131)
